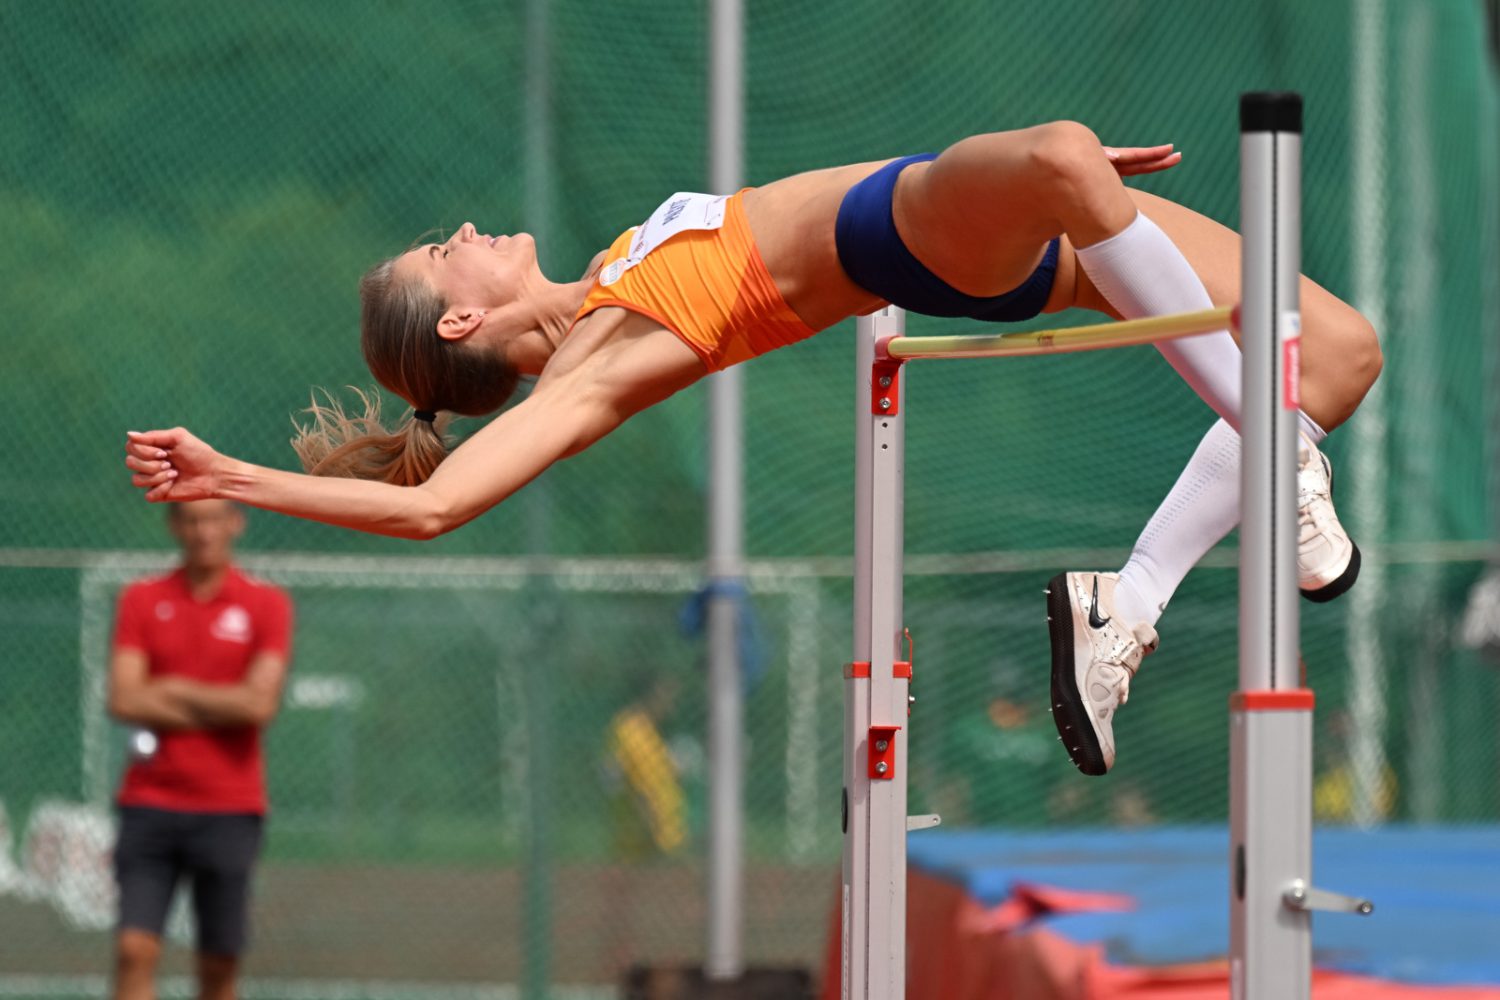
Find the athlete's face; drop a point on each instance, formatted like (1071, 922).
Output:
(206, 531)
(471, 269)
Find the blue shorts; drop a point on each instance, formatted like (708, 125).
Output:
(875, 259)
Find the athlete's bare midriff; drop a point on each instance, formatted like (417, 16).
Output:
(793, 222)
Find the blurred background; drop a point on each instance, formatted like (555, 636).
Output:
(189, 193)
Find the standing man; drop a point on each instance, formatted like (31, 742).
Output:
(198, 662)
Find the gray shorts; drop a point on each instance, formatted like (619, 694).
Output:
(215, 851)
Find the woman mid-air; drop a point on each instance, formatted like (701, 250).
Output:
(996, 227)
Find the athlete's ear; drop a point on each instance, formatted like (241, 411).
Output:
(459, 321)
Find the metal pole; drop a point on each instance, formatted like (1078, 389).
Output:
(1271, 716)
(1366, 469)
(876, 686)
(537, 150)
(726, 546)
(536, 878)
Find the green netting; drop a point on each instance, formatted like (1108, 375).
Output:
(190, 193)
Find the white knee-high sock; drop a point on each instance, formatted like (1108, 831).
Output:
(1200, 509)
(1140, 271)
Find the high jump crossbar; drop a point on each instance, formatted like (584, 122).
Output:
(1066, 340)
(1270, 851)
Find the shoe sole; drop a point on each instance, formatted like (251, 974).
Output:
(1341, 585)
(1068, 711)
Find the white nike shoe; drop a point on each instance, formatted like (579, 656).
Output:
(1094, 656)
(1327, 559)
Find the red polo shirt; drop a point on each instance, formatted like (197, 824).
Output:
(202, 770)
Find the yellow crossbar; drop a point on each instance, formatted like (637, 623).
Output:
(1075, 338)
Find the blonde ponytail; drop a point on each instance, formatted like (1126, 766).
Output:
(399, 339)
(357, 446)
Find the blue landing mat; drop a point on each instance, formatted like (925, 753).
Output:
(1436, 892)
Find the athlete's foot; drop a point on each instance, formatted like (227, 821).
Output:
(1094, 656)
(1327, 559)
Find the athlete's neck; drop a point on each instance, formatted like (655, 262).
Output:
(550, 308)
(558, 305)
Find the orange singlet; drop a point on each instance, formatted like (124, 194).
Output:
(708, 286)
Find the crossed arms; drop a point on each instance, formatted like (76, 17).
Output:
(180, 703)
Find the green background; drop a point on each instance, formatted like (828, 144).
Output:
(190, 192)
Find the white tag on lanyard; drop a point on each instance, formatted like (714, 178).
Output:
(680, 213)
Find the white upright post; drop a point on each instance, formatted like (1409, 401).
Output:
(726, 545)
(876, 685)
(1271, 713)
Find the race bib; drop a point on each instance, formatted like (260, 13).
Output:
(680, 213)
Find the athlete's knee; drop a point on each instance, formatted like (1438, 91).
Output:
(1074, 176)
(1360, 349)
(1068, 157)
(1349, 362)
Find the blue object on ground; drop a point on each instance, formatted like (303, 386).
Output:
(1436, 892)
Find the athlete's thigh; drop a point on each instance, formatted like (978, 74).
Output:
(977, 215)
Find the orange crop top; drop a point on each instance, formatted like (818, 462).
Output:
(708, 286)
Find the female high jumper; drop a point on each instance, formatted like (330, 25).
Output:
(997, 227)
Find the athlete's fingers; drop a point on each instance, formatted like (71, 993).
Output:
(146, 466)
(1129, 162)
(1135, 163)
(142, 450)
(160, 493)
(152, 481)
(1148, 166)
(160, 439)
(1133, 154)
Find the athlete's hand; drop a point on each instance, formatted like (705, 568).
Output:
(172, 465)
(1131, 160)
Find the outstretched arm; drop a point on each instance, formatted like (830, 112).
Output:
(173, 465)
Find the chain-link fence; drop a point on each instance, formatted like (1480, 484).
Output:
(191, 192)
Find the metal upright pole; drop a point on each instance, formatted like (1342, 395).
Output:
(537, 687)
(1271, 715)
(876, 685)
(726, 545)
(1270, 748)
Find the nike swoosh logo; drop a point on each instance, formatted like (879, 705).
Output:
(1094, 620)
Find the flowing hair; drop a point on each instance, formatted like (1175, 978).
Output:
(400, 342)
(336, 442)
